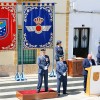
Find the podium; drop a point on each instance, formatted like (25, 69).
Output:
(93, 81)
(75, 68)
(33, 95)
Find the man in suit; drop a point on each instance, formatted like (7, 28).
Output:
(87, 62)
(61, 70)
(43, 64)
(58, 50)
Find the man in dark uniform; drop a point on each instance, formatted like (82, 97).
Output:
(87, 62)
(98, 54)
(61, 70)
(43, 64)
(58, 50)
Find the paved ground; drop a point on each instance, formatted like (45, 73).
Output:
(72, 95)
(75, 96)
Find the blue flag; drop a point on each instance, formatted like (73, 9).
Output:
(38, 26)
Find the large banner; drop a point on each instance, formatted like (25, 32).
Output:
(7, 25)
(38, 25)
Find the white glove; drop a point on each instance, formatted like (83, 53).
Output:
(45, 68)
(64, 74)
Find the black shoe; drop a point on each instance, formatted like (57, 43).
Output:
(58, 94)
(65, 93)
(46, 90)
(84, 91)
(38, 91)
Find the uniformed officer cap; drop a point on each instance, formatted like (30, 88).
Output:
(58, 42)
(43, 49)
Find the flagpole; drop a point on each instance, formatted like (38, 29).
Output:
(22, 52)
(53, 73)
(17, 76)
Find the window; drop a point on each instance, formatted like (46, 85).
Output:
(29, 56)
(81, 41)
(80, 37)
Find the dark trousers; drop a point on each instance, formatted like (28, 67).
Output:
(98, 61)
(40, 79)
(63, 79)
(85, 82)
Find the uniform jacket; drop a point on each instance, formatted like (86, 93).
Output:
(42, 62)
(61, 68)
(86, 64)
(98, 54)
(59, 52)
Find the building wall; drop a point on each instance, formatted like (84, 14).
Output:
(61, 31)
(91, 20)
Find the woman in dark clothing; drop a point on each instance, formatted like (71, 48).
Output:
(58, 50)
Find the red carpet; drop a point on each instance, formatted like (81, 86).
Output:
(25, 92)
(33, 95)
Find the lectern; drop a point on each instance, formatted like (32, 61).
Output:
(75, 68)
(93, 80)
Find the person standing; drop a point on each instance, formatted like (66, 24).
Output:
(87, 62)
(61, 70)
(43, 62)
(58, 50)
(98, 55)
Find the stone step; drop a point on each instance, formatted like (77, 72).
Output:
(13, 94)
(32, 82)
(8, 85)
(33, 86)
(11, 82)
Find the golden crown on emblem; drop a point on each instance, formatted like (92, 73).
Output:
(38, 20)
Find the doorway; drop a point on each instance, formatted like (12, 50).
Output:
(81, 42)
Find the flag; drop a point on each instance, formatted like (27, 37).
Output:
(7, 25)
(38, 25)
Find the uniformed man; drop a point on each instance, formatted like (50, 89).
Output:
(58, 50)
(61, 70)
(87, 62)
(98, 54)
(43, 64)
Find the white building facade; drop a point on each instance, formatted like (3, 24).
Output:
(84, 28)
